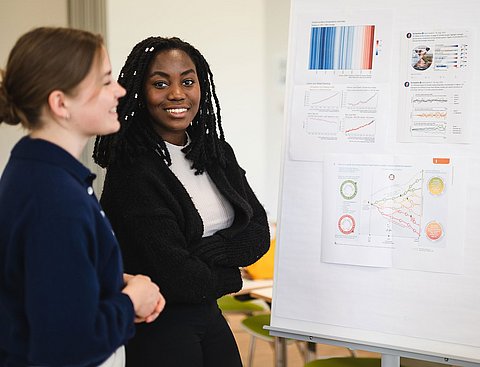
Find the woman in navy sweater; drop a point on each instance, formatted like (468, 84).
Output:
(64, 300)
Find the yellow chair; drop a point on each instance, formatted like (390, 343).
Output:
(263, 267)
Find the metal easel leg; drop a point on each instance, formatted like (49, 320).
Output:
(280, 352)
(389, 360)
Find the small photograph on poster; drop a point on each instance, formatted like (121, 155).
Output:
(422, 57)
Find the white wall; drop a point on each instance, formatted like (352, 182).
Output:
(16, 18)
(276, 59)
(231, 35)
(245, 43)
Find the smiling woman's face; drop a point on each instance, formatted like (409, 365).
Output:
(172, 94)
(92, 108)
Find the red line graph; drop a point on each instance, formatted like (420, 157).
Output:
(359, 127)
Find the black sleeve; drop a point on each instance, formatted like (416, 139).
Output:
(248, 239)
(153, 243)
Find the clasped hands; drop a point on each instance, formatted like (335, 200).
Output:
(147, 300)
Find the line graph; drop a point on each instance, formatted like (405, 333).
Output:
(430, 129)
(360, 127)
(438, 99)
(317, 124)
(341, 113)
(360, 100)
(430, 115)
(397, 204)
(323, 99)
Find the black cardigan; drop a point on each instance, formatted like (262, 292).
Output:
(160, 230)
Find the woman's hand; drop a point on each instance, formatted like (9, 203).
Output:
(147, 300)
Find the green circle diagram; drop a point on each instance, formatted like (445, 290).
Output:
(348, 189)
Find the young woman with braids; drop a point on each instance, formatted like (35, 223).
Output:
(64, 300)
(179, 203)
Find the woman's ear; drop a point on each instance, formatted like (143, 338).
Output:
(56, 103)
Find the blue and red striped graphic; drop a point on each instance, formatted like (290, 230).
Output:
(342, 48)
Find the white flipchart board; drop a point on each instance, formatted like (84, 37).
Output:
(364, 279)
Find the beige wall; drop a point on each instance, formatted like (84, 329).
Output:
(276, 63)
(16, 18)
(231, 34)
(245, 43)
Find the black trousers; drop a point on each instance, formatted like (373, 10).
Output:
(185, 336)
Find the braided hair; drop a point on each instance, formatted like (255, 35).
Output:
(137, 135)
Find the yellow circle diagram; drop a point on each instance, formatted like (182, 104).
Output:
(436, 186)
(434, 231)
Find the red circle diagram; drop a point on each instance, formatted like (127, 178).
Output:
(346, 224)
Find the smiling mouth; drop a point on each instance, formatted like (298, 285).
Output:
(176, 110)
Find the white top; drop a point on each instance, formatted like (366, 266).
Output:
(216, 212)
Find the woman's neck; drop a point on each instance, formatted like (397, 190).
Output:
(65, 139)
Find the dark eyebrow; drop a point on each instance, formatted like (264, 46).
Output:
(165, 75)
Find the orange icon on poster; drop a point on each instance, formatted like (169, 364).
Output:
(434, 231)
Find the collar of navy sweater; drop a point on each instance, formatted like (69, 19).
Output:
(44, 151)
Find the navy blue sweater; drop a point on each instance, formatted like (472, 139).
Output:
(61, 272)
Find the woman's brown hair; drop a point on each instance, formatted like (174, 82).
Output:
(43, 60)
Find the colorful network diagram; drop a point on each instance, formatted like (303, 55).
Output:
(387, 203)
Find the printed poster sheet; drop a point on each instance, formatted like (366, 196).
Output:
(339, 95)
(390, 211)
(435, 90)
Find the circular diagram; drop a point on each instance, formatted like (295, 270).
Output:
(436, 186)
(434, 231)
(346, 224)
(348, 189)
